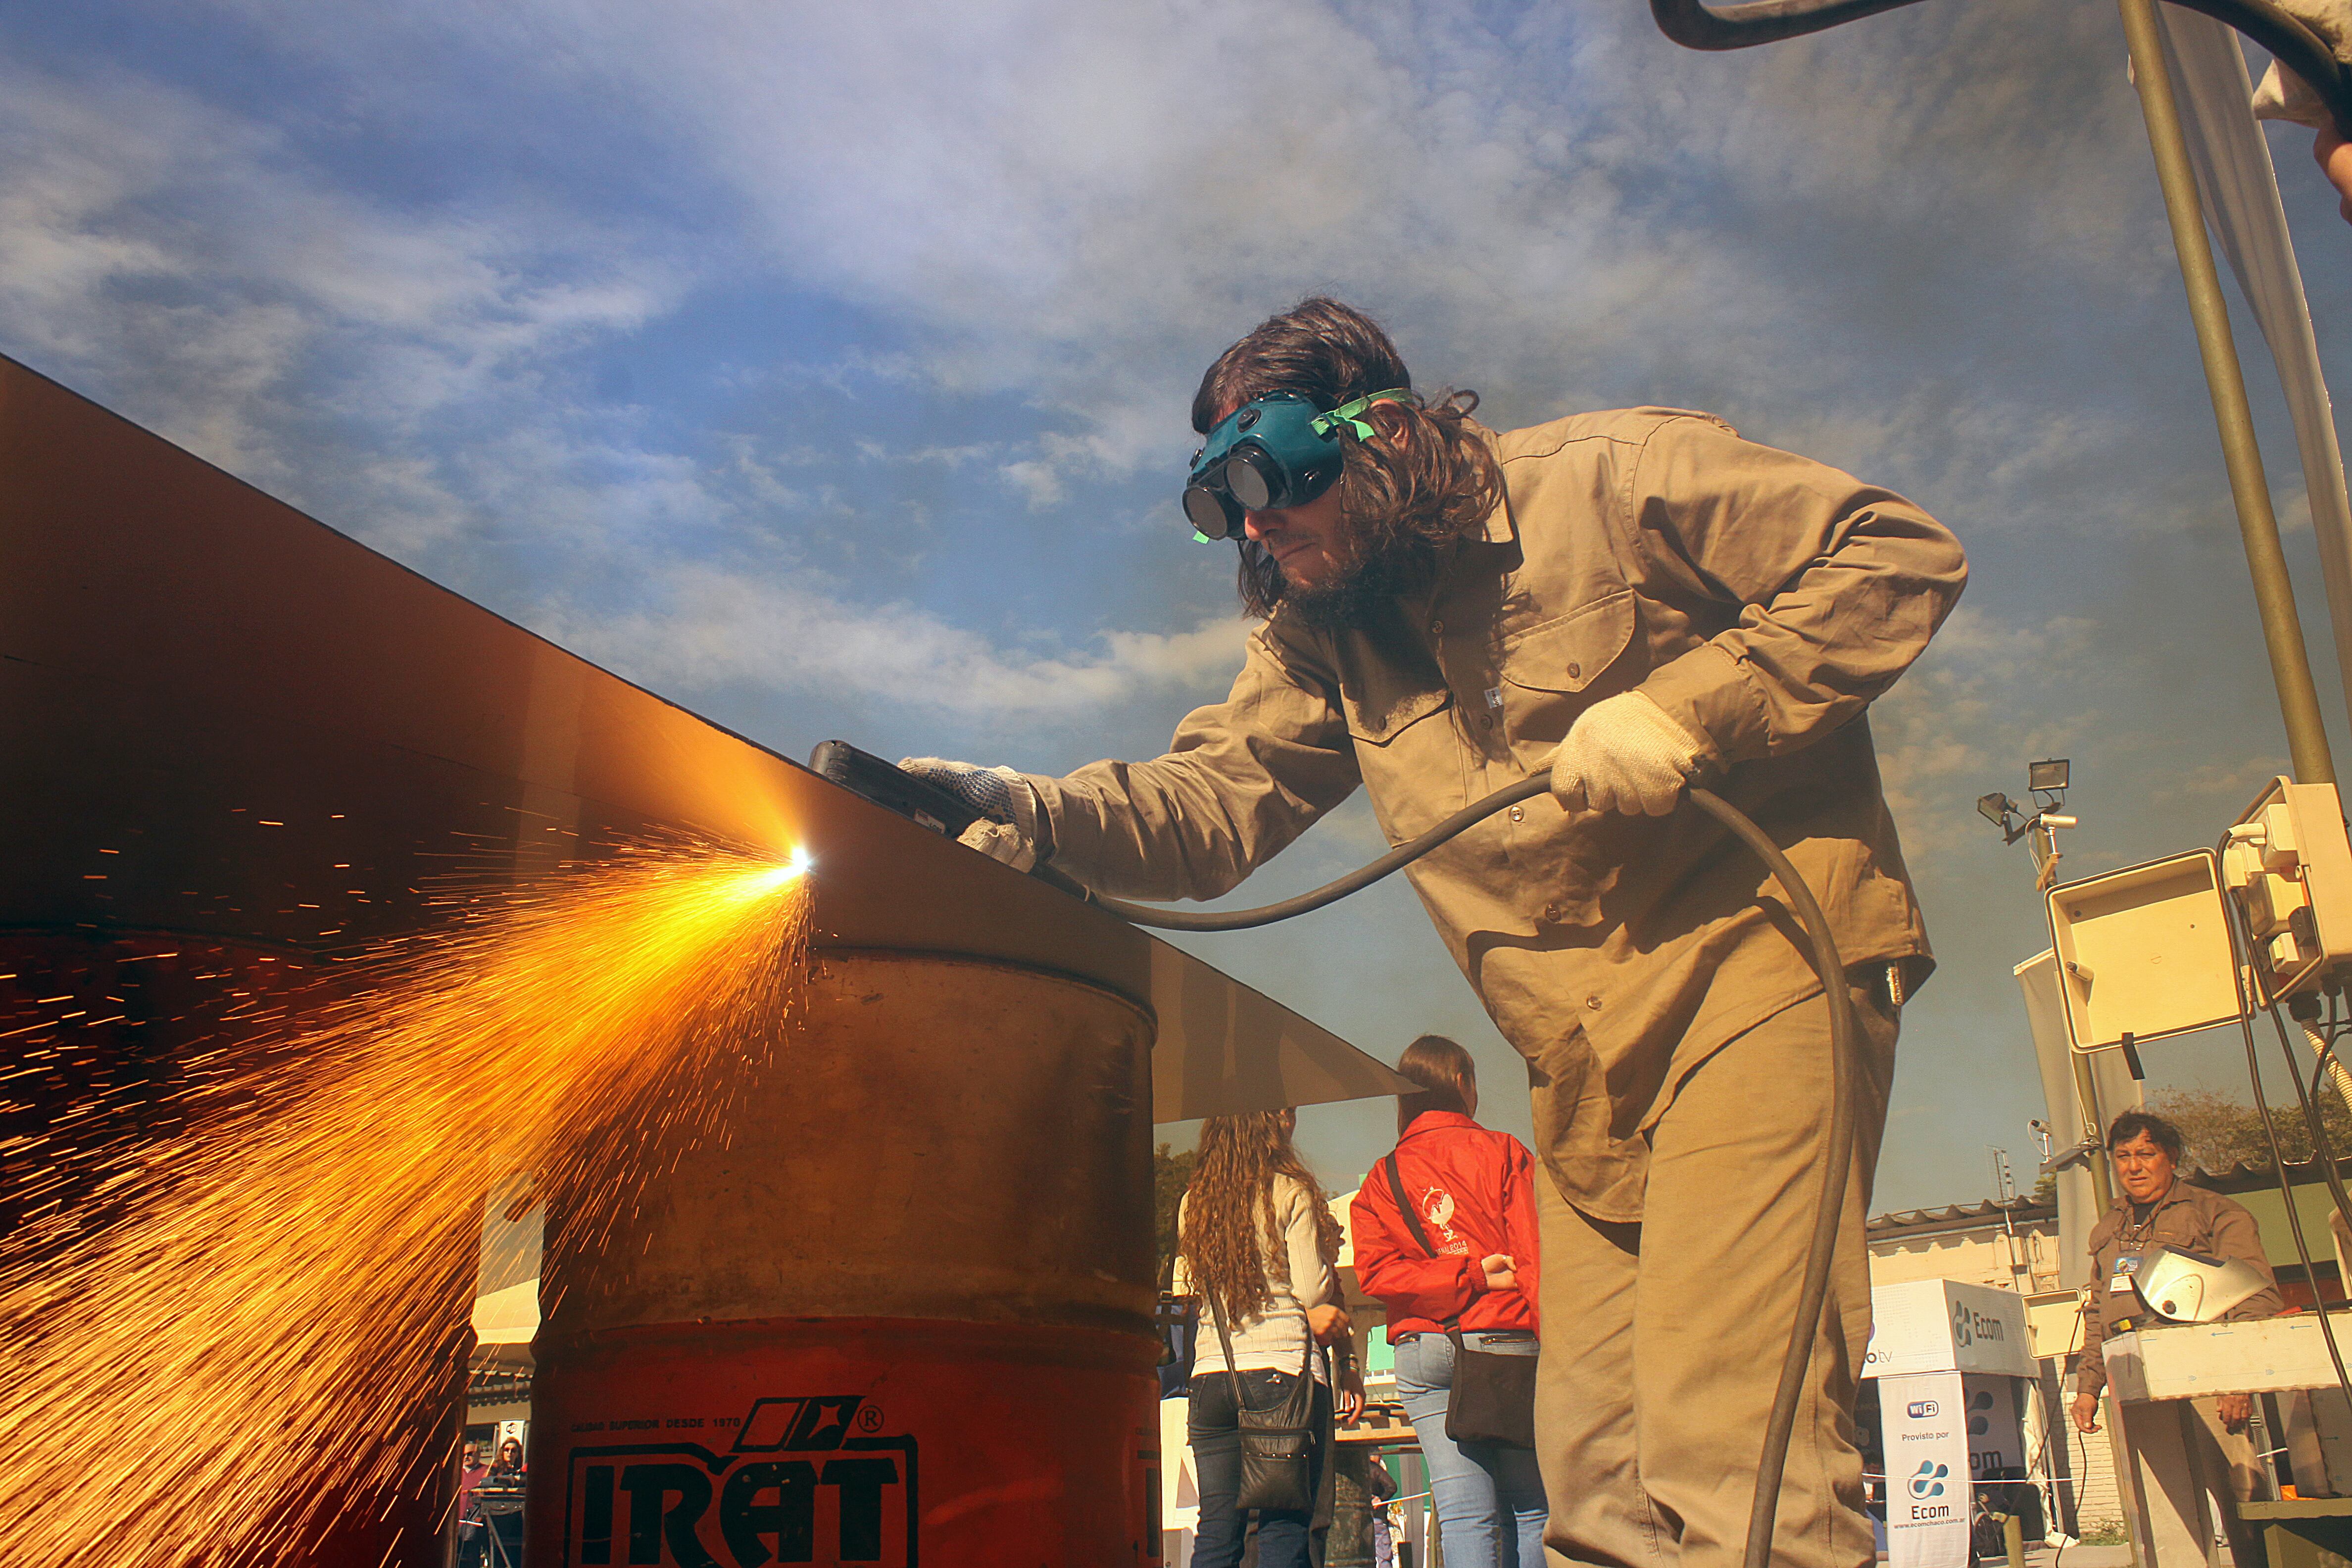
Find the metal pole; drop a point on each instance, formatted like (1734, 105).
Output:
(2095, 1130)
(2306, 735)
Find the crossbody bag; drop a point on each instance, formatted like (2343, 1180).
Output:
(1278, 1442)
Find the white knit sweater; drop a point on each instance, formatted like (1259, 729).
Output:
(1297, 1278)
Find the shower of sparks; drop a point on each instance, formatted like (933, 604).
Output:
(242, 1345)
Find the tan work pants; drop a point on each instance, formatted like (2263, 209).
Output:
(1661, 1341)
(2223, 1453)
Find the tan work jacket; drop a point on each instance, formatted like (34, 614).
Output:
(1762, 599)
(2188, 1216)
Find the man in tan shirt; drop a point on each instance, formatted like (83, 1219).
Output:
(1628, 599)
(2159, 1207)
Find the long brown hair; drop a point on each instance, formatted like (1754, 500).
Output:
(1446, 1075)
(1232, 1199)
(1429, 481)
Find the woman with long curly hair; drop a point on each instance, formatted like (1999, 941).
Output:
(1258, 1249)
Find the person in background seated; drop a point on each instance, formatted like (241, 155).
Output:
(1474, 1192)
(2159, 1207)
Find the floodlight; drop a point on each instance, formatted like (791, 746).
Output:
(2050, 775)
(1997, 808)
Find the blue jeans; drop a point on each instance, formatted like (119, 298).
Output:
(1214, 1430)
(1489, 1498)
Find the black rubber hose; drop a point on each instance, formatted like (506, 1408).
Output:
(1845, 1055)
(1404, 854)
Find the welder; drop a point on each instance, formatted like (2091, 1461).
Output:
(1633, 601)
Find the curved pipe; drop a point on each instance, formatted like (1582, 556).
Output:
(1694, 26)
(1404, 854)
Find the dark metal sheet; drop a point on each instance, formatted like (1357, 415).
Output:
(237, 700)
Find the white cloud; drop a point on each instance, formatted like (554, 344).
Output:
(1035, 479)
(1966, 717)
(943, 457)
(2227, 785)
(1079, 205)
(1082, 202)
(714, 628)
(182, 263)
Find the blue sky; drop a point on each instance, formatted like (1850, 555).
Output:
(825, 368)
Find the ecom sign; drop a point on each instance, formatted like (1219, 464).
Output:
(1971, 1327)
(1923, 1423)
(1943, 1325)
(1929, 1501)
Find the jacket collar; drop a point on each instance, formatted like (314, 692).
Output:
(1433, 1121)
(1500, 527)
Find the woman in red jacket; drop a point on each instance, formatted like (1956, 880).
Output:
(1474, 1192)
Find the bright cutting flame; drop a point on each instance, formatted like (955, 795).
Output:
(207, 1381)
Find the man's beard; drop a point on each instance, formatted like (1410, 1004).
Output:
(1363, 593)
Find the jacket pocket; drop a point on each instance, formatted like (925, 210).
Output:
(1379, 716)
(1570, 653)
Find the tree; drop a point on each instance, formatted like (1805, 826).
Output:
(1171, 1173)
(2222, 1131)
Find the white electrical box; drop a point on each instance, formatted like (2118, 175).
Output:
(2145, 953)
(2289, 865)
(2190, 1361)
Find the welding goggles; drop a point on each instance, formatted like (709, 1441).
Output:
(1274, 451)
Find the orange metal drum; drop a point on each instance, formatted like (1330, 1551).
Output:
(904, 1316)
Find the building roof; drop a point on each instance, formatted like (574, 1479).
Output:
(2239, 1179)
(2246, 1174)
(1958, 1216)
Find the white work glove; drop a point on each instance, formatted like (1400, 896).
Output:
(1007, 829)
(1623, 753)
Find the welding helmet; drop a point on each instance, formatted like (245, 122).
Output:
(1273, 451)
(2191, 1287)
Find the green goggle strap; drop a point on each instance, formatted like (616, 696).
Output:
(1349, 414)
